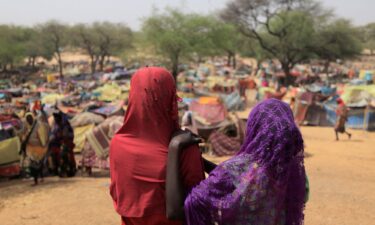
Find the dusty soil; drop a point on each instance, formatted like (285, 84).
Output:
(342, 182)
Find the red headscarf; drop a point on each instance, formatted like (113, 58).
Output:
(138, 152)
(152, 111)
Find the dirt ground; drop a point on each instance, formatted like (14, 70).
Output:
(342, 182)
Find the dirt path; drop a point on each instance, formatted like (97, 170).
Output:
(342, 182)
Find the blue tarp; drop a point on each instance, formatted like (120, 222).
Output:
(359, 118)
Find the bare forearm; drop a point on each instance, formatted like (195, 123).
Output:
(175, 192)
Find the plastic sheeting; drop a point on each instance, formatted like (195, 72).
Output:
(9, 151)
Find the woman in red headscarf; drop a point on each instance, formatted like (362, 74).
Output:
(138, 152)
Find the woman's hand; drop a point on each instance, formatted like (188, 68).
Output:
(183, 139)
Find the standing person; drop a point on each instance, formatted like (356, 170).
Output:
(265, 183)
(62, 145)
(35, 145)
(342, 117)
(138, 152)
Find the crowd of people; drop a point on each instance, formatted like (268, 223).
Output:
(158, 174)
(157, 171)
(46, 147)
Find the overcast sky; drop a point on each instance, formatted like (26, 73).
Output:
(131, 12)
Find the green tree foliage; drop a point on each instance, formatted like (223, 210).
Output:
(292, 31)
(101, 40)
(55, 36)
(337, 40)
(35, 47)
(228, 40)
(169, 34)
(283, 29)
(367, 36)
(114, 39)
(12, 49)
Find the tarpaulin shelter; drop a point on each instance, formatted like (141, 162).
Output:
(233, 101)
(80, 136)
(354, 94)
(110, 92)
(96, 148)
(358, 117)
(86, 118)
(310, 109)
(208, 117)
(108, 110)
(9, 157)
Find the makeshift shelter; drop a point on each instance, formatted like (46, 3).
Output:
(208, 117)
(228, 139)
(9, 157)
(233, 101)
(96, 148)
(111, 92)
(86, 118)
(355, 94)
(310, 109)
(358, 117)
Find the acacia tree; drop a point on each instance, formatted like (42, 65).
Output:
(11, 49)
(368, 36)
(228, 40)
(34, 46)
(101, 40)
(337, 40)
(113, 39)
(55, 36)
(169, 34)
(85, 37)
(283, 29)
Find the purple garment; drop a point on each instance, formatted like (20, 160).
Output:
(264, 184)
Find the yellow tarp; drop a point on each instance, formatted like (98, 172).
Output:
(209, 100)
(80, 136)
(110, 92)
(51, 78)
(363, 73)
(348, 90)
(9, 150)
(51, 98)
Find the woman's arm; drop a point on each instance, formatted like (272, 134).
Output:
(175, 190)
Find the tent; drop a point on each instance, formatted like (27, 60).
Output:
(208, 117)
(358, 117)
(233, 101)
(9, 157)
(311, 109)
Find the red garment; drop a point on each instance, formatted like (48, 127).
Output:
(138, 152)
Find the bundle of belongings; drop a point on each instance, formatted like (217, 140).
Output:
(227, 140)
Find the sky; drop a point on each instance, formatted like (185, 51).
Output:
(131, 12)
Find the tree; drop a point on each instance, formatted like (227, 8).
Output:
(284, 29)
(86, 38)
(337, 40)
(34, 46)
(11, 45)
(368, 36)
(113, 40)
(55, 36)
(101, 40)
(169, 34)
(227, 39)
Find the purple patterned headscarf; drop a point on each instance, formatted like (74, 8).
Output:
(264, 184)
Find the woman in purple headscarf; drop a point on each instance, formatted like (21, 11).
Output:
(264, 184)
